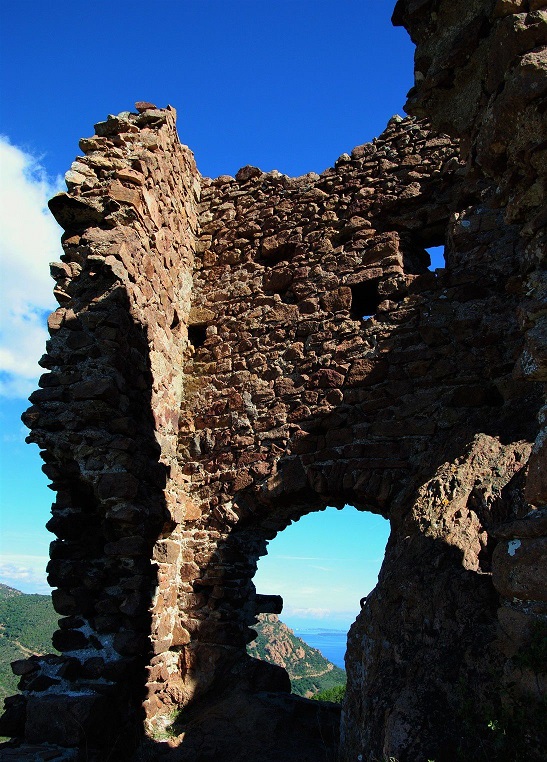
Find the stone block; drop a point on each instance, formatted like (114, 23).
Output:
(75, 214)
(326, 378)
(247, 173)
(71, 720)
(534, 524)
(365, 372)
(127, 546)
(64, 602)
(23, 666)
(117, 485)
(200, 316)
(268, 604)
(166, 551)
(337, 300)
(180, 635)
(55, 320)
(144, 106)
(519, 568)
(69, 640)
(97, 388)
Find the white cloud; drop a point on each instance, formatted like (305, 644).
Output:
(29, 240)
(308, 613)
(310, 558)
(25, 573)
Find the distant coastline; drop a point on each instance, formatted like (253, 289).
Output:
(331, 643)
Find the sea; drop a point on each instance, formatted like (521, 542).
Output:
(331, 643)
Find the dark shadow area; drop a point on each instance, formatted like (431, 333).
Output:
(97, 432)
(365, 299)
(279, 250)
(197, 335)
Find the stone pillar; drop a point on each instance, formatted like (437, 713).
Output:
(106, 418)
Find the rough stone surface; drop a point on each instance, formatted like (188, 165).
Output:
(230, 354)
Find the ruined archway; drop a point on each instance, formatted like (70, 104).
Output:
(211, 375)
(289, 401)
(322, 565)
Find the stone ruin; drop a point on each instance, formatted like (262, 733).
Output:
(232, 354)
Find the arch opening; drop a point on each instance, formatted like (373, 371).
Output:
(323, 566)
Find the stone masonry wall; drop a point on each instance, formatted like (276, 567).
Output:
(298, 403)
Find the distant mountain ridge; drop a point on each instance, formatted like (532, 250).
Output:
(309, 670)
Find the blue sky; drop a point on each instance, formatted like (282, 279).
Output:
(323, 565)
(287, 85)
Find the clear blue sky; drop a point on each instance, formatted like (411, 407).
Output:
(286, 84)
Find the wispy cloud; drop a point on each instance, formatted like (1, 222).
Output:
(310, 558)
(308, 613)
(29, 241)
(25, 573)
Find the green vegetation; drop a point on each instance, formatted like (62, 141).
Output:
(309, 671)
(26, 625)
(335, 695)
(516, 734)
(313, 686)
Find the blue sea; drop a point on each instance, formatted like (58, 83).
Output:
(331, 643)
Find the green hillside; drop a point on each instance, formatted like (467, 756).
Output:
(26, 625)
(308, 669)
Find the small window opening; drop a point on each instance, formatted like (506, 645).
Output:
(364, 299)
(436, 255)
(283, 252)
(197, 335)
(176, 320)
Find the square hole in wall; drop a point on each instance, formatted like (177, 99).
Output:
(436, 254)
(364, 299)
(197, 335)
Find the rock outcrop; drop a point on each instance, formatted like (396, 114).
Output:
(310, 672)
(231, 354)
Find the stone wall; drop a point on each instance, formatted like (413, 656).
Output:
(482, 76)
(302, 403)
(231, 354)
